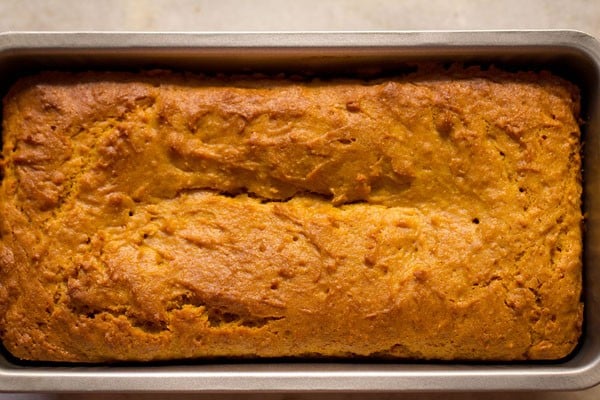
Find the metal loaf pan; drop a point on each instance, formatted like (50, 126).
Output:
(573, 55)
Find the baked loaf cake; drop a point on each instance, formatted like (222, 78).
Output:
(161, 216)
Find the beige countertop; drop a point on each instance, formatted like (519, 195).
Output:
(301, 15)
(261, 15)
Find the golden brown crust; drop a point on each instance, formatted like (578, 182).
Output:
(164, 216)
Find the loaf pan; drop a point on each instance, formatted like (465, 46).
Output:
(574, 55)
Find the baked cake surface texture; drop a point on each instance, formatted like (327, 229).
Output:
(161, 216)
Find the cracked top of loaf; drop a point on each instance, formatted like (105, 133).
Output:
(160, 216)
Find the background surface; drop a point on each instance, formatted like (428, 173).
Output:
(302, 15)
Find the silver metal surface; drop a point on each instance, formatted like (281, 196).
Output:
(573, 55)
